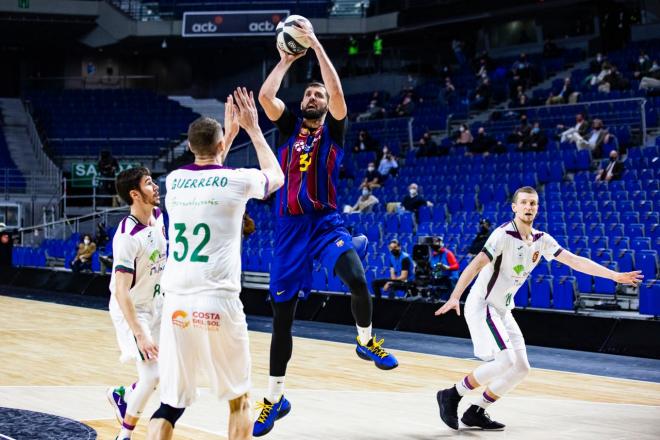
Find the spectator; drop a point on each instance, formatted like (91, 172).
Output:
(480, 240)
(651, 81)
(365, 203)
(581, 127)
(522, 68)
(102, 239)
(444, 265)
(378, 53)
(516, 86)
(372, 178)
(641, 65)
(594, 139)
(613, 81)
(596, 65)
(427, 146)
(448, 93)
(521, 100)
(413, 201)
(464, 138)
(249, 227)
(613, 170)
(520, 132)
(388, 166)
(407, 105)
(536, 140)
(365, 143)
(83, 259)
(564, 95)
(108, 168)
(481, 98)
(482, 144)
(457, 47)
(402, 271)
(374, 111)
(482, 70)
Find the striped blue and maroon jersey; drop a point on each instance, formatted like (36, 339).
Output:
(310, 162)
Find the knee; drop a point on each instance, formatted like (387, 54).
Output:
(507, 360)
(239, 404)
(168, 413)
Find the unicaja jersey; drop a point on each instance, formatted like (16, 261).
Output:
(310, 161)
(140, 250)
(511, 262)
(205, 205)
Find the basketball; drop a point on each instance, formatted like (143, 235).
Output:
(289, 37)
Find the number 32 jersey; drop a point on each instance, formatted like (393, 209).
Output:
(511, 262)
(205, 205)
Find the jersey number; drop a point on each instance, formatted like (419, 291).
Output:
(508, 299)
(305, 161)
(195, 257)
(156, 290)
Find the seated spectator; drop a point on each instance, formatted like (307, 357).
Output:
(427, 146)
(642, 65)
(482, 95)
(83, 259)
(374, 111)
(594, 140)
(521, 100)
(464, 138)
(614, 80)
(413, 201)
(406, 107)
(388, 166)
(482, 144)
(596, 65)
(536, 140)
(613, 170)
(365, 203)
(581, 127)
(520, 132)
(651, 81)
(516, 86)
(444, 266)
(564, 95)
(481, 238)
(365, 143)
(402, 271)
(372, 178)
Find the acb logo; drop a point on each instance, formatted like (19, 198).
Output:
(204, 28)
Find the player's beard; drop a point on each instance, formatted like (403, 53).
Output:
(527, 220)
(314, 113)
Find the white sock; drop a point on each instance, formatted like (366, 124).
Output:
(275, 388)
(484, 401)
(125, 433)
(364, 333)
(463, 386)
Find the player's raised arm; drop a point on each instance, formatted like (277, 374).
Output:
(273, 106)
(249, 121)
(231, 126)
(589, 267)
(336, 103)
(471, 271)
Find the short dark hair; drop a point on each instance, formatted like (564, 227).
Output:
(318, 84)
(524, 189)
(129, 180)
(395, 241)
(204, 133)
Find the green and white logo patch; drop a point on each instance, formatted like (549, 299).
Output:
(518, 269)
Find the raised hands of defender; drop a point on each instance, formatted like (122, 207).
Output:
(248, 118)
(308, 32)
(635, 277)
(451, 303)
(231, 119)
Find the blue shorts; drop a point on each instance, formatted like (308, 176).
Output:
(299, 241)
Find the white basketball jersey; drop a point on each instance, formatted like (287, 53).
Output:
(205, 205)
(140, 250)
(511, 262)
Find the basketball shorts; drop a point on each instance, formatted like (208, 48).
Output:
(299, 241)
(491, 329)
(149, 319)
(203, 333)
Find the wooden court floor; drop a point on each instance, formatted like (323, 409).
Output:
(59, 359)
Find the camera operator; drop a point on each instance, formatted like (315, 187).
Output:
(444, 265)
(480, 240)
(401, 273)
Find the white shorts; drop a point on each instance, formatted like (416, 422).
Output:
(203, 332)
(149, 319)
(491, 329)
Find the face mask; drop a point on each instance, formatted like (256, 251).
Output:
(371, 169)
(461, 129)
(599, 58)
(365, 192)
(413, 192)
(535, 130)
(396, 252)
(641, 60)
(86, 241)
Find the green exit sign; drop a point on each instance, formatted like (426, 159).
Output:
(24, 4)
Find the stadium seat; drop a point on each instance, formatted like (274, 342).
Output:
(604, 285)
(521, 299)
(649, 297)
(641, 243)
(647, 262)
(541, 291)
(563, 292)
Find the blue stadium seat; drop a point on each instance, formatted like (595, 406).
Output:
(521, 299)
(647, 262)
(618, 243)
(649, 297)
(626, 259)
(541, 291)
(634, 230)
(604, 285)
(641, 243)
(406, 225)
(563, 293)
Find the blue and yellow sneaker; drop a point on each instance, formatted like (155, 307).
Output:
(373, 351)
(116, 398)
(269, 413)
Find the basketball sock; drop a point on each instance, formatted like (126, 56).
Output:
(126, 431)
(364, 333)
(463, 386)
(275, 388)
(485, 400)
